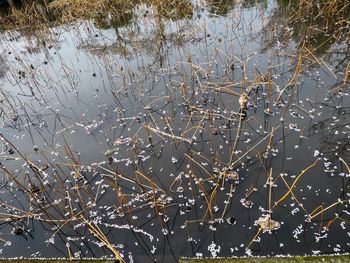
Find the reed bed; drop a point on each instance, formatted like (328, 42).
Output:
(140, 138)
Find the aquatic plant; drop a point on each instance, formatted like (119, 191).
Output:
(131, 128)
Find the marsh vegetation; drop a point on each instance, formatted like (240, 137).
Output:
(150, 130)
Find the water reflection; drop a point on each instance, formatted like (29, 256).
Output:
(253, 3)
(3, 67)
(107, 21)
(150, 135)
(221, 7)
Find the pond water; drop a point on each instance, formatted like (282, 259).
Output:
(177, 132)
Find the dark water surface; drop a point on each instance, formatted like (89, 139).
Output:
(175, 133)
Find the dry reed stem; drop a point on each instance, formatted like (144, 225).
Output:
(69, 253)
(228, 201)
(159, 133)
(295, 181)
(330, 206)
(337, 217)
(205, 194)
(300, 204)
(321, 62)
(256, 235)
(248, 151)
(189, 157)
(96, 231)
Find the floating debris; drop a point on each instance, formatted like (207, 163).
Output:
(267, 224)
(233, 175)
(33, 188)
(78, 177)
(188, 208)
(268, 111)
(44, 167)
(41, 199)
(231, 220)
(35, 148)
(232, 65)
(248, 203)
(17, 231)
(243, 100)
(110, 159)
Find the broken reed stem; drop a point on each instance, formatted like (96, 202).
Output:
(159, 132)
(269, 89)
(347, 167)
(96, 231)
(295, 181)
(233, 149)
(211, 199)
(300, 204)
(228, 201)
(150, 181)
(322, 210)
(337, 217)
(190, 180)
(256, 235)
(14, 147)
(270, 187)
(248, 151)
(156, 209)
(250, 191)
(205, 193)
(190, 157)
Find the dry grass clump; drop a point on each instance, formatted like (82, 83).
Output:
(326, 13)
(28, 14)
(172, 8)
(34, 14)
(69, 10)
